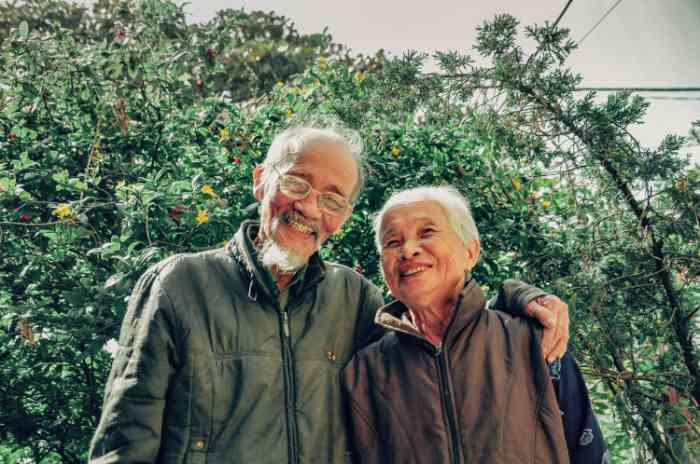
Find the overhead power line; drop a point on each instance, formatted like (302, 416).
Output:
(648, 90)
(599, 21)
(656, 97)
(561, 15)
(638, 89)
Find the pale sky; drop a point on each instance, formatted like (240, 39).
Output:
(641, 43)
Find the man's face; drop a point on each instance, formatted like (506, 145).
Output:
(423, 260)
(299, 226)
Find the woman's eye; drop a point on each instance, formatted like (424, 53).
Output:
(391, 243)
(428, 232)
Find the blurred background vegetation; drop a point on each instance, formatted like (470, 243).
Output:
(127, 135)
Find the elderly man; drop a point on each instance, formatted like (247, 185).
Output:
(451, 382)
(233, 355)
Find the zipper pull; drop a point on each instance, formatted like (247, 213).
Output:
(285, 323)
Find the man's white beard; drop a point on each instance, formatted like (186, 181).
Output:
(273, 255)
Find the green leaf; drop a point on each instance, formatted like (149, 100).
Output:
(23, 29)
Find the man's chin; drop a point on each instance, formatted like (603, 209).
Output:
(274, 255)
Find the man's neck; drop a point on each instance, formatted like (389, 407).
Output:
(282, 279)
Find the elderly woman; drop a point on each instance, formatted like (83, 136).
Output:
(450, 382)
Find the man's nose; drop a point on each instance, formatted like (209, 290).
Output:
(309, 206)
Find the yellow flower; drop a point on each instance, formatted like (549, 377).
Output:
(120, 185)
(63, 210)
(322, 63)
(208, 190)
(545, 204)
(290, 114)
(395, 151)
(202, 216)
(516, 184)
(224, 134)
(360, 76)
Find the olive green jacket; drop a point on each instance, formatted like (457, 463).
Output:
(210, 369)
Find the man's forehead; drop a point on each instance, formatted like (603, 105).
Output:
(329, 161)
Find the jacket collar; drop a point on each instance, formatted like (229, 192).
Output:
(243, 249)
(394, 316)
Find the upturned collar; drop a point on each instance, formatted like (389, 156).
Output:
(394, 316)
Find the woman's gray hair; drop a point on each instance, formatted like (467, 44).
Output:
(296, 139)
(454, 204)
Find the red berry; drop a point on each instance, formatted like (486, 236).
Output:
(174, 213)
(360, 269)
(237, 160)
(13, 136)
(25, 218)
(211, 53)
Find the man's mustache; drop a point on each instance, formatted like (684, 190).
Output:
(289, 216)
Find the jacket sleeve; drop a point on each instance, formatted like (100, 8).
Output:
(513, 296)
(366, 331)
(583, 436)
(132, 412)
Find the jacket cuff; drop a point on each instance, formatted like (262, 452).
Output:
(514, 295)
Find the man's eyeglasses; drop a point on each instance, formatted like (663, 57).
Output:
(297, 188)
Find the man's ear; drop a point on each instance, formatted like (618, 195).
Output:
(257, 182)
(473, 252)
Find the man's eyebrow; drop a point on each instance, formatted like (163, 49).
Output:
(386, 233)
(303, 173)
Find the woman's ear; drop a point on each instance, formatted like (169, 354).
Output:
(257, 182)
(473, 252)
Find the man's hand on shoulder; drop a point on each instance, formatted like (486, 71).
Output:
(553, 314)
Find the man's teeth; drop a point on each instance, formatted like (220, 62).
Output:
(304, 229)
(413, 270)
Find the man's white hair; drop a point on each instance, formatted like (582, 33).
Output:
(454, 204)
(295, 140)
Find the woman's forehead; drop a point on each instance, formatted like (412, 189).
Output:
(412, 214)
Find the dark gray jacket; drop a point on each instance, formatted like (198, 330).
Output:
(483, 396)
(211, 370)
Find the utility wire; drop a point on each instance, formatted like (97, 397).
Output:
(638, 89)
(653, 97)
(648, 90)
(599, 21)
(561, 15)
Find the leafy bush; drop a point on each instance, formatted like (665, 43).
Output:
(129, 135)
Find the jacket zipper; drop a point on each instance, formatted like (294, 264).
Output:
(289, 392)
(446, 392)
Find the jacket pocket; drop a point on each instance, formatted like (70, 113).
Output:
(247, 403)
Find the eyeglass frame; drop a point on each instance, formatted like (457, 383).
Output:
(348, 204)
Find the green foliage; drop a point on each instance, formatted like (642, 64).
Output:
(129, 135)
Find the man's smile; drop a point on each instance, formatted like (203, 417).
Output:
(297, 222)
